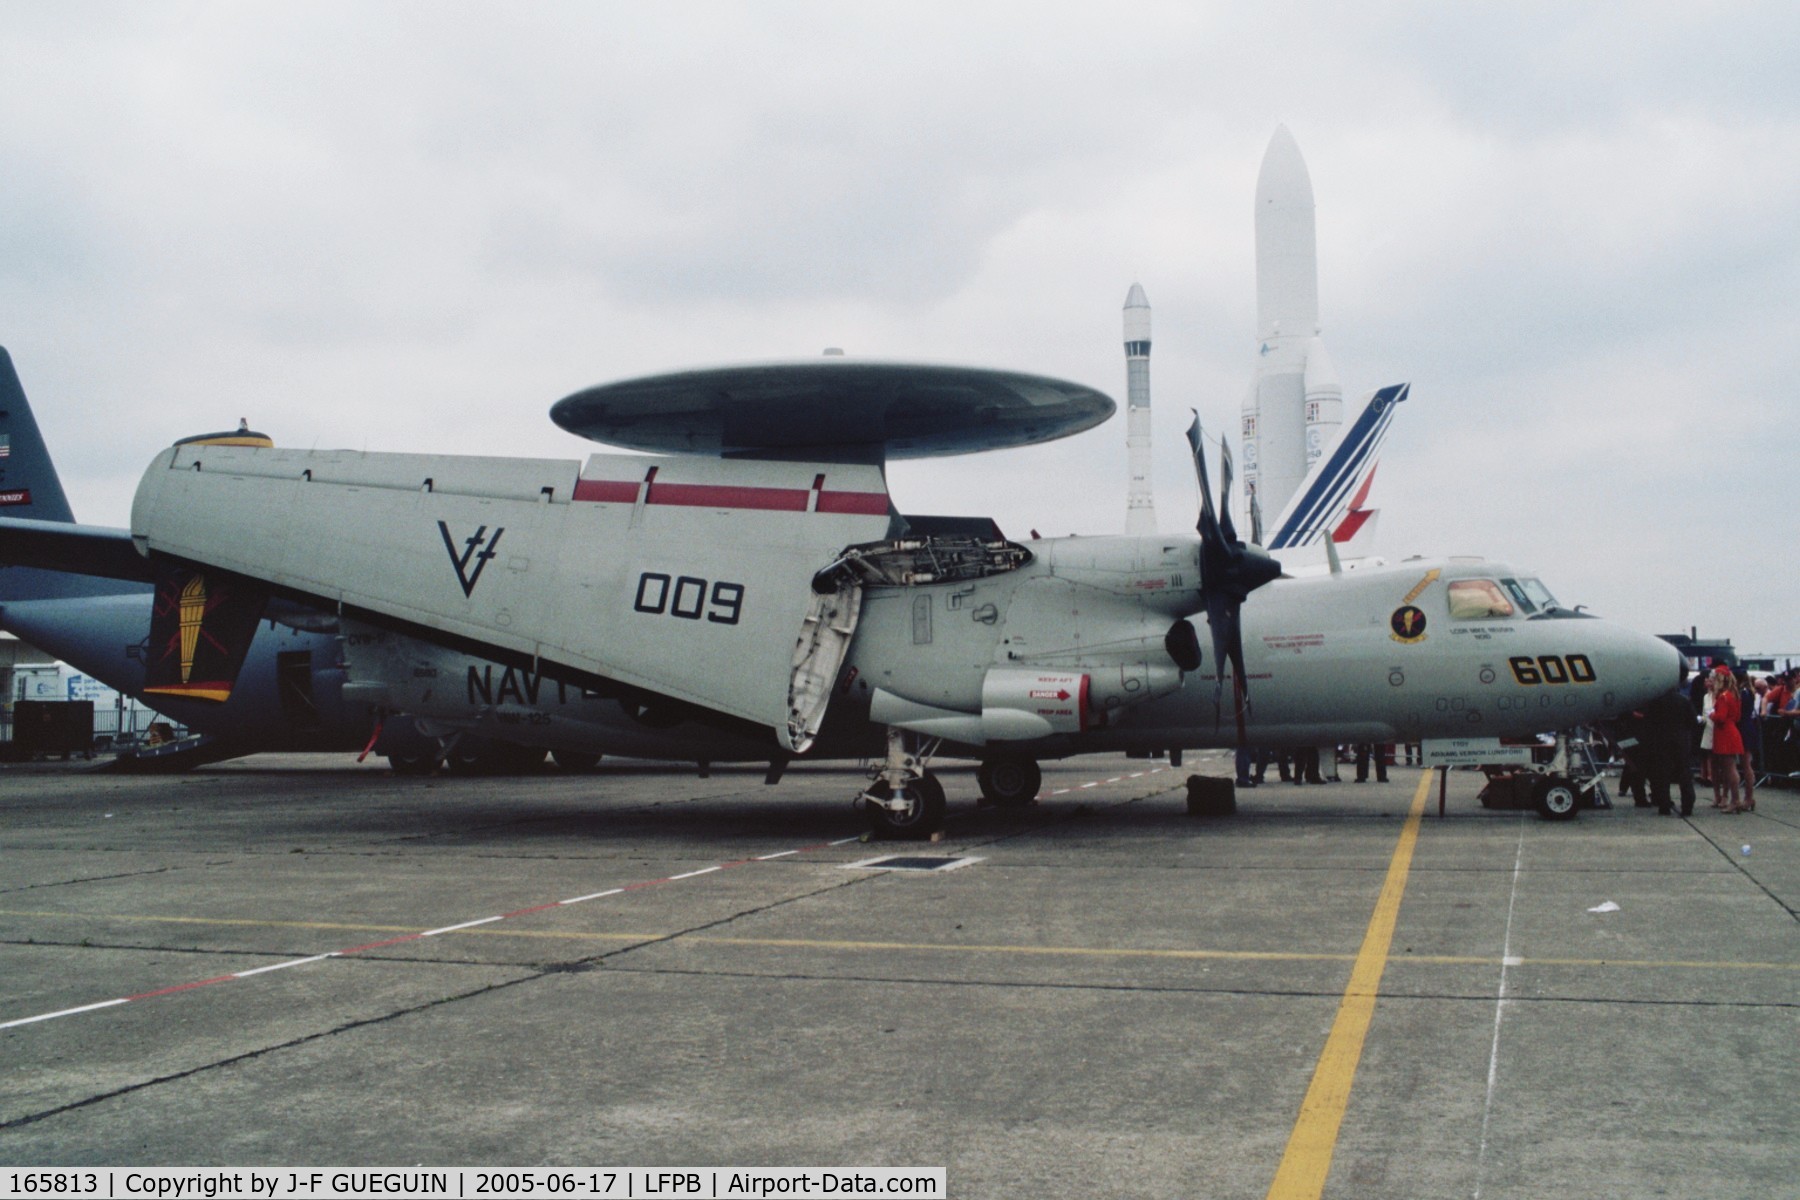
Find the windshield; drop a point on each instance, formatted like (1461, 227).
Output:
(1517, 592)
(1540, 595)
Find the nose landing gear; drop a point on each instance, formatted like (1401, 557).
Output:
(904, 800)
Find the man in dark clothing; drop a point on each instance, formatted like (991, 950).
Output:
(1669, 722)
(1633, 740)
(1306, 766)
(1364, 752)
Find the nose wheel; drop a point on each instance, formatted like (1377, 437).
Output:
(915, 811)
(904, 800)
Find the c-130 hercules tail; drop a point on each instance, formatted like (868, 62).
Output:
(86, 595)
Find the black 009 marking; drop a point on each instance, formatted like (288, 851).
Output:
(1552, 668)
(689, 597)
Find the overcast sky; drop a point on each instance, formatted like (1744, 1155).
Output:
(414, 226)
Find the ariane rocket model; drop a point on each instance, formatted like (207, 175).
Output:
(1295, 403)
(1140, 506)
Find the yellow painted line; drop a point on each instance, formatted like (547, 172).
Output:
(1052, 951)
(1307, 1160)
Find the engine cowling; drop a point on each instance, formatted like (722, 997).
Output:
(1017, 705)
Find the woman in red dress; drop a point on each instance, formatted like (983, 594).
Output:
(1727, 743)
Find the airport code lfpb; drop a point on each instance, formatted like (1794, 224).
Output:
(474, 1183)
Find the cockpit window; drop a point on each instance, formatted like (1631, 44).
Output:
(1518, 596)
(1540, 595)
(1476, 599)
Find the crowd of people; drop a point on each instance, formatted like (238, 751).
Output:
(1724, 723)
(1724, 727)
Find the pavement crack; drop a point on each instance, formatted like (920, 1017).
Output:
(262, 1051)
(60, 883)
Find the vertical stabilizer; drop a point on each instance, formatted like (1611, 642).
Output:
(30, 489)
(1331, 503)
(28, 483)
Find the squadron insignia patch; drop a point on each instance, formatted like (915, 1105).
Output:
(1408, 624)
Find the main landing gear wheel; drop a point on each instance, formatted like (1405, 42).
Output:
(412, 762)
(1009, 781)
(1557, 799)
(922, 816)
(480, 756)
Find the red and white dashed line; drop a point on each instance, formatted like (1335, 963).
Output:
(1097, 782)
(411, 937)
(414, 937)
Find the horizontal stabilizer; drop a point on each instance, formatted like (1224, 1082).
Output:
(77, 549)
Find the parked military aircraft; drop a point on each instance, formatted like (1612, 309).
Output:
(95, 611)
(770, 602)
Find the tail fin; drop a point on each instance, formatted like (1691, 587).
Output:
(200, 631)
(1330, 501)
(28, 483)
(30, 489)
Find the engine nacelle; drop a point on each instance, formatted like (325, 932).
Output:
(1019, 705)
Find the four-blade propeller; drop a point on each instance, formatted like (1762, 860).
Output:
(1230, 570)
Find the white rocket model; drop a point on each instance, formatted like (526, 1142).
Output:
(1295, 403)
(1140, 506)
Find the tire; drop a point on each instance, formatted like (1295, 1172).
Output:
(1557, 799)
(575, 761)
(1010, 781)
(410, 763)
(408, 751)
(924, 818)
(470, 756)
(482, 756)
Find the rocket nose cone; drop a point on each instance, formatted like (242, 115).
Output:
(1283, 176)
(1137, 321)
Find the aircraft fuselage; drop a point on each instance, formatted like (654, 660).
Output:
(1381, 654)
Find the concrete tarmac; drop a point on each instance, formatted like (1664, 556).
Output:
(293, 960)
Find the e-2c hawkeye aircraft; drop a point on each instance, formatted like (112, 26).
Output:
(751, 582)
(95, 613)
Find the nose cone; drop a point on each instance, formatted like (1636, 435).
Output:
(1638, 667)
(1137, 316)
(1287, 261)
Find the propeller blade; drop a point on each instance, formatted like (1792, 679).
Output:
(1225, 525)
(1256, 529)
(1229, 571)
(1207, 516)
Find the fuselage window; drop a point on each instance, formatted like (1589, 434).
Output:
(1478, 599)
